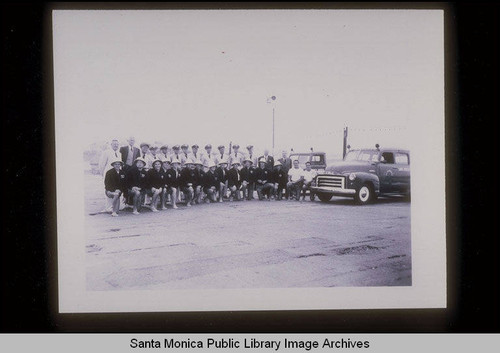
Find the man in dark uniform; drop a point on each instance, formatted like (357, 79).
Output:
(248, 178)
(286, 162)
(280, 178)
(137, 183)
(263, 180)
(198, 186)
(156, 184)
(234, 181)
(114, 184)
(188, 182)
(165, 168)
(222, 176)
(211, 183)
(172, 177)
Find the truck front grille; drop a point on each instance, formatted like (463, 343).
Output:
(331, 181)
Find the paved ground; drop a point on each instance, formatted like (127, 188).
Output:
(256, 244)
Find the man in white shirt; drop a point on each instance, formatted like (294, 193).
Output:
(236, 155)
(195, 155)
(251, 155)
(163, 155)
(152, 157)
(309, 175)
(208, 157)
(108, 156)
(221, 155)
(295, 180)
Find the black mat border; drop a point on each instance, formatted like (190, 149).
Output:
(28, 242)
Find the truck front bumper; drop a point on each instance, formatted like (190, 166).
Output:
(333, 191)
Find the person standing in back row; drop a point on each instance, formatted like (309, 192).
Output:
(236, 155)
(129, 153)
(252, 156)
(269, 160)
(221, 155)
(109, 155)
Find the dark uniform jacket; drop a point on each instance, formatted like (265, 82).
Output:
(200, 175)
(264, 175)
(221, 174)
(156, 179)
(210, 179)
(114, 180)
(248, 174)
(280, 177)
(136, 177)
(286, 163)
(125, 150)
(270, 161)
(234, 178)
(188, 176)
(172, 178)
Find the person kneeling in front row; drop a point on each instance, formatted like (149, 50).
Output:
(137, 183)
(295, 180)
(235, 181)
(156, 183)
(114, 184)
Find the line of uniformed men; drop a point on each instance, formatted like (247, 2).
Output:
(200, 177)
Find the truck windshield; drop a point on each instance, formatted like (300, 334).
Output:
(361, 155)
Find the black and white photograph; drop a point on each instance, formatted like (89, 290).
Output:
(249, 159)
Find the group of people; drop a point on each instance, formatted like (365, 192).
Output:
(132, 175)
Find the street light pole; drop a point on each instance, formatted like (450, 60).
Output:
(273, 131)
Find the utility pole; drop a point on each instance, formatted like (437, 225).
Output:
(271, 100)
(344, 150)
(273, 131)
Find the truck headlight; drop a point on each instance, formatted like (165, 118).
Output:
(352, 176)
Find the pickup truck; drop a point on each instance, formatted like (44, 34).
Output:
(364, 174)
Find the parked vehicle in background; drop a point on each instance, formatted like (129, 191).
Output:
(317, 159)
(364, 174)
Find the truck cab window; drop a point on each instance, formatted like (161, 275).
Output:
(402, 158)
(388, 157)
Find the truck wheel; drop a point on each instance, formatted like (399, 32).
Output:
(364, 194)
(324, 197)
(312, 196)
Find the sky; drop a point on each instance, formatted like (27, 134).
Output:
(206, 76)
